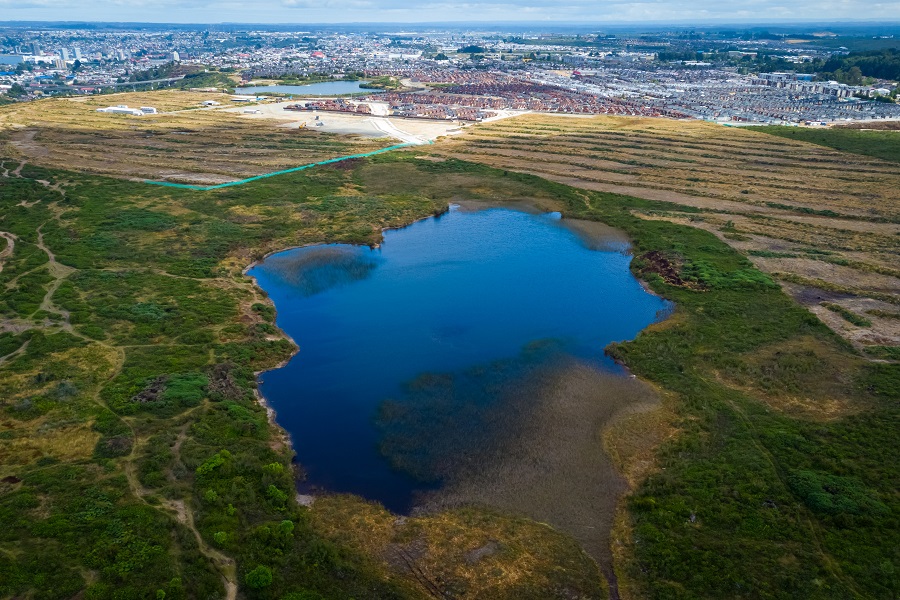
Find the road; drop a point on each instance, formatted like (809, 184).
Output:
(385, 125)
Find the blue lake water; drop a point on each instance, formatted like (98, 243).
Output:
(324, 88)
(441, 296)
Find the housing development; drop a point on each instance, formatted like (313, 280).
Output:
(733, 77)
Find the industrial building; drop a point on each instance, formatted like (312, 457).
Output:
(122, 109)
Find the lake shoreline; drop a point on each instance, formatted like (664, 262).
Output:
(284, 438)
(307, 496)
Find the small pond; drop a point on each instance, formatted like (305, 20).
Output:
(420, 339)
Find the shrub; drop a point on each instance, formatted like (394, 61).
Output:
(833, 495)
(213, 463)
(260, 577)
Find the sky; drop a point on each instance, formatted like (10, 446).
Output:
(410, 11)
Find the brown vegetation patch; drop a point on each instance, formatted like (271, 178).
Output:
(656, 262)
(222, 383)
(465, 553)
(348, 165)
(152, 392)
(632, 438)
(804, 377)
(873, 125)
(44, 438)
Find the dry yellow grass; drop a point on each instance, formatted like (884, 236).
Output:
(183, 143)
(70, 380)
(41, 438)
(467, 554)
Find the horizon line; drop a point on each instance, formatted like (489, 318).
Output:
(581, 23)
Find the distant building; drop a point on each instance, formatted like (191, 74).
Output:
(35, 48)
(64, 54)
(59, 64)
(77, 52)
(120, 55)
(122, 109)
(174, 57)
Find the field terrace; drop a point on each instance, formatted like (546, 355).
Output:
(784, 203)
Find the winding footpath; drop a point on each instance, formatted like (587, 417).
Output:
(178, 508)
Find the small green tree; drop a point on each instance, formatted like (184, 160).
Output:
(259, 578)
(277, 496)
(286, 528)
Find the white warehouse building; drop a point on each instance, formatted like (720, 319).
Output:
(122, 109)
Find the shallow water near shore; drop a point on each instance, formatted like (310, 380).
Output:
(423, 358)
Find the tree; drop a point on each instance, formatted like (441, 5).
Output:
(259, 578)
(76, 66)
(286, 528)
(16, 91)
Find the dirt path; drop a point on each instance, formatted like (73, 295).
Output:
(8, 250)
(18, 171)
(224, 564)
(15, 352)
(180, 509)
(59, 272)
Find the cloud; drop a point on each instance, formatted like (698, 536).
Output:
(347, 11)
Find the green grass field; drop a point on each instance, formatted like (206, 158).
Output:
(878, 144)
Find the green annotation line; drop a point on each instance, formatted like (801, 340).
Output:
(204, 188)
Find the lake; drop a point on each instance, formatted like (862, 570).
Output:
(324, 88)
(412, 356)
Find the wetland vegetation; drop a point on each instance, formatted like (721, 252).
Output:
(136, 462)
